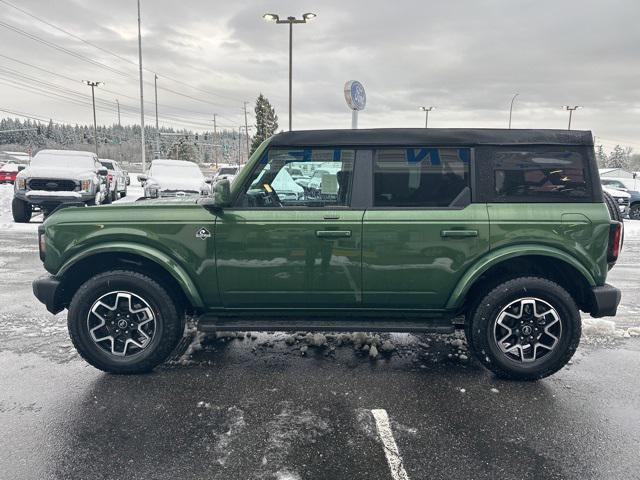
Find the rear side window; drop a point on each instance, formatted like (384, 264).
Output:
(536, 174)
(550, 175)
(420, 177)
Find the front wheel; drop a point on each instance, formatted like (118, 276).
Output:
(634, 212)
(123, 322)
(21, 211)
(525, 329)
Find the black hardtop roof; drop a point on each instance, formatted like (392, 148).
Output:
(431, 136)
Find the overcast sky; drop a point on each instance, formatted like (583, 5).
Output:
(467, 58)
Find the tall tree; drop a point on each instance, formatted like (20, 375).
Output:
(601, 156)
(619, 158)
(266, 122)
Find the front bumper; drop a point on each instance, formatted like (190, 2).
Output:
(605, 301)
(42, 197)
(48, 290)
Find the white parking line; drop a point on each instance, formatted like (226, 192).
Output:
(390, 448)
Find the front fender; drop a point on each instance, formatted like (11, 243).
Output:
(165, 261)
(497, 256)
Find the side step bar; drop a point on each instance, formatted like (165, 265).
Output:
(210, 324)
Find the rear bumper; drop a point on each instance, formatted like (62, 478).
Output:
(605, 301)
(47, 289)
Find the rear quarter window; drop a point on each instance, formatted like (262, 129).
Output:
(535, 174)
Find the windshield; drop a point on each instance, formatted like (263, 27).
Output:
(227, 171)
(108, 165)
(182, 171)
(60, 160)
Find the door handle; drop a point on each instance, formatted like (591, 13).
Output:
(459, 233)
(333, 233)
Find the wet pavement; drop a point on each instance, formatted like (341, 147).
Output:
(265, 407)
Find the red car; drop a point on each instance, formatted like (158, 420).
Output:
(8, 173)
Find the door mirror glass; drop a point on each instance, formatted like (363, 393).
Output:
(222, 192)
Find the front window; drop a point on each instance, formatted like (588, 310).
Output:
(328, 183)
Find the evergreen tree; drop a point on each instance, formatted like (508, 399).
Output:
(601, 156)
(182, 149)
(266, 122)
(619, 158)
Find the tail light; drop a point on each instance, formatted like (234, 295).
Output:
(110, 178)
(616, 238)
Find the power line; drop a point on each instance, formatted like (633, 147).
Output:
(105, 50)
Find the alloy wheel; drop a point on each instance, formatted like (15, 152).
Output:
(527, 329)
(121, 323)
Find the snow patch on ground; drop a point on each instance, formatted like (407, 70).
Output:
(600, 330)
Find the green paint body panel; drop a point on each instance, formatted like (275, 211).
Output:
(351, 260)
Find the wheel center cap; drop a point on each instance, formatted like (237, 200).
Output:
(122, 323)
(526, 330)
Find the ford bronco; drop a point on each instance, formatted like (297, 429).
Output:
(501, 232)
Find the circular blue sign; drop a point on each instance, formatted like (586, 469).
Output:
(355, 95)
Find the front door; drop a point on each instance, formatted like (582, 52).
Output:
(292, 239)
(422, 232)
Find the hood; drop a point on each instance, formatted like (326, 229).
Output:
(616, 193)
(61, 173)
(177, 183)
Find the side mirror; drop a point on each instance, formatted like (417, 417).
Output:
(21, 167)
(208, 180)
(142, 178)
(222, 192)
(103, 171)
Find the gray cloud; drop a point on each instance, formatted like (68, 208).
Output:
(465, 57)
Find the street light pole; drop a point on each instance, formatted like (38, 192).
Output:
(93, 85)
(215, 138)
(426, 110)
(272, 17)
(155, 83)
(511, 108)
(246, 127)
(570, 110)
(144, 162)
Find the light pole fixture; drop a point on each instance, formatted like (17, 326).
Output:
(272, 17)
(571, 109)
(511, 108)
(93, 85)
(426, 110)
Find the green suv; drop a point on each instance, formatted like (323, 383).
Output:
(504, 232)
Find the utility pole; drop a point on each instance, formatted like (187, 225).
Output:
(246, 128)
(272, 17)
(426, 110)
(511, 108)
(571, 110)
(155, 82)
(239, 143)
(144, 162)
(118, 104)
(119, 139)
(213, 143)
(93, 85)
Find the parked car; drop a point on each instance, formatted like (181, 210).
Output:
(622, 199)
(117, 179)
(171, 178)
(629, 186)
(505, 229)
(59, 176)
(9, 171)
(226, 171)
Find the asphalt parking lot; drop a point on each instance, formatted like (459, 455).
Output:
(297, 407)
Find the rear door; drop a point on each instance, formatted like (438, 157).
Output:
(422, 231)
(287, 246)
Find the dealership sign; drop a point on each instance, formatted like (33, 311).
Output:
(356, 99)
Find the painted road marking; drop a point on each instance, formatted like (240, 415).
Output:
(390, 448)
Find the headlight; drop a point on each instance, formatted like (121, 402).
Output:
(620, 199)
(21, 183)
(85, 185)
(152, 191)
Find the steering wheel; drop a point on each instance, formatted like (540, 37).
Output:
(272, 195)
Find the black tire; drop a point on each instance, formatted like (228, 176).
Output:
(168, 326)
(612, 206)
(124, 194)
(21, 210)
(114, 196)
(634, 212)
(107, 199)
(484, 346)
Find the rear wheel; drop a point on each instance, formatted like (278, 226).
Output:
(525, 329)
(123, 322)
(21, 210)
